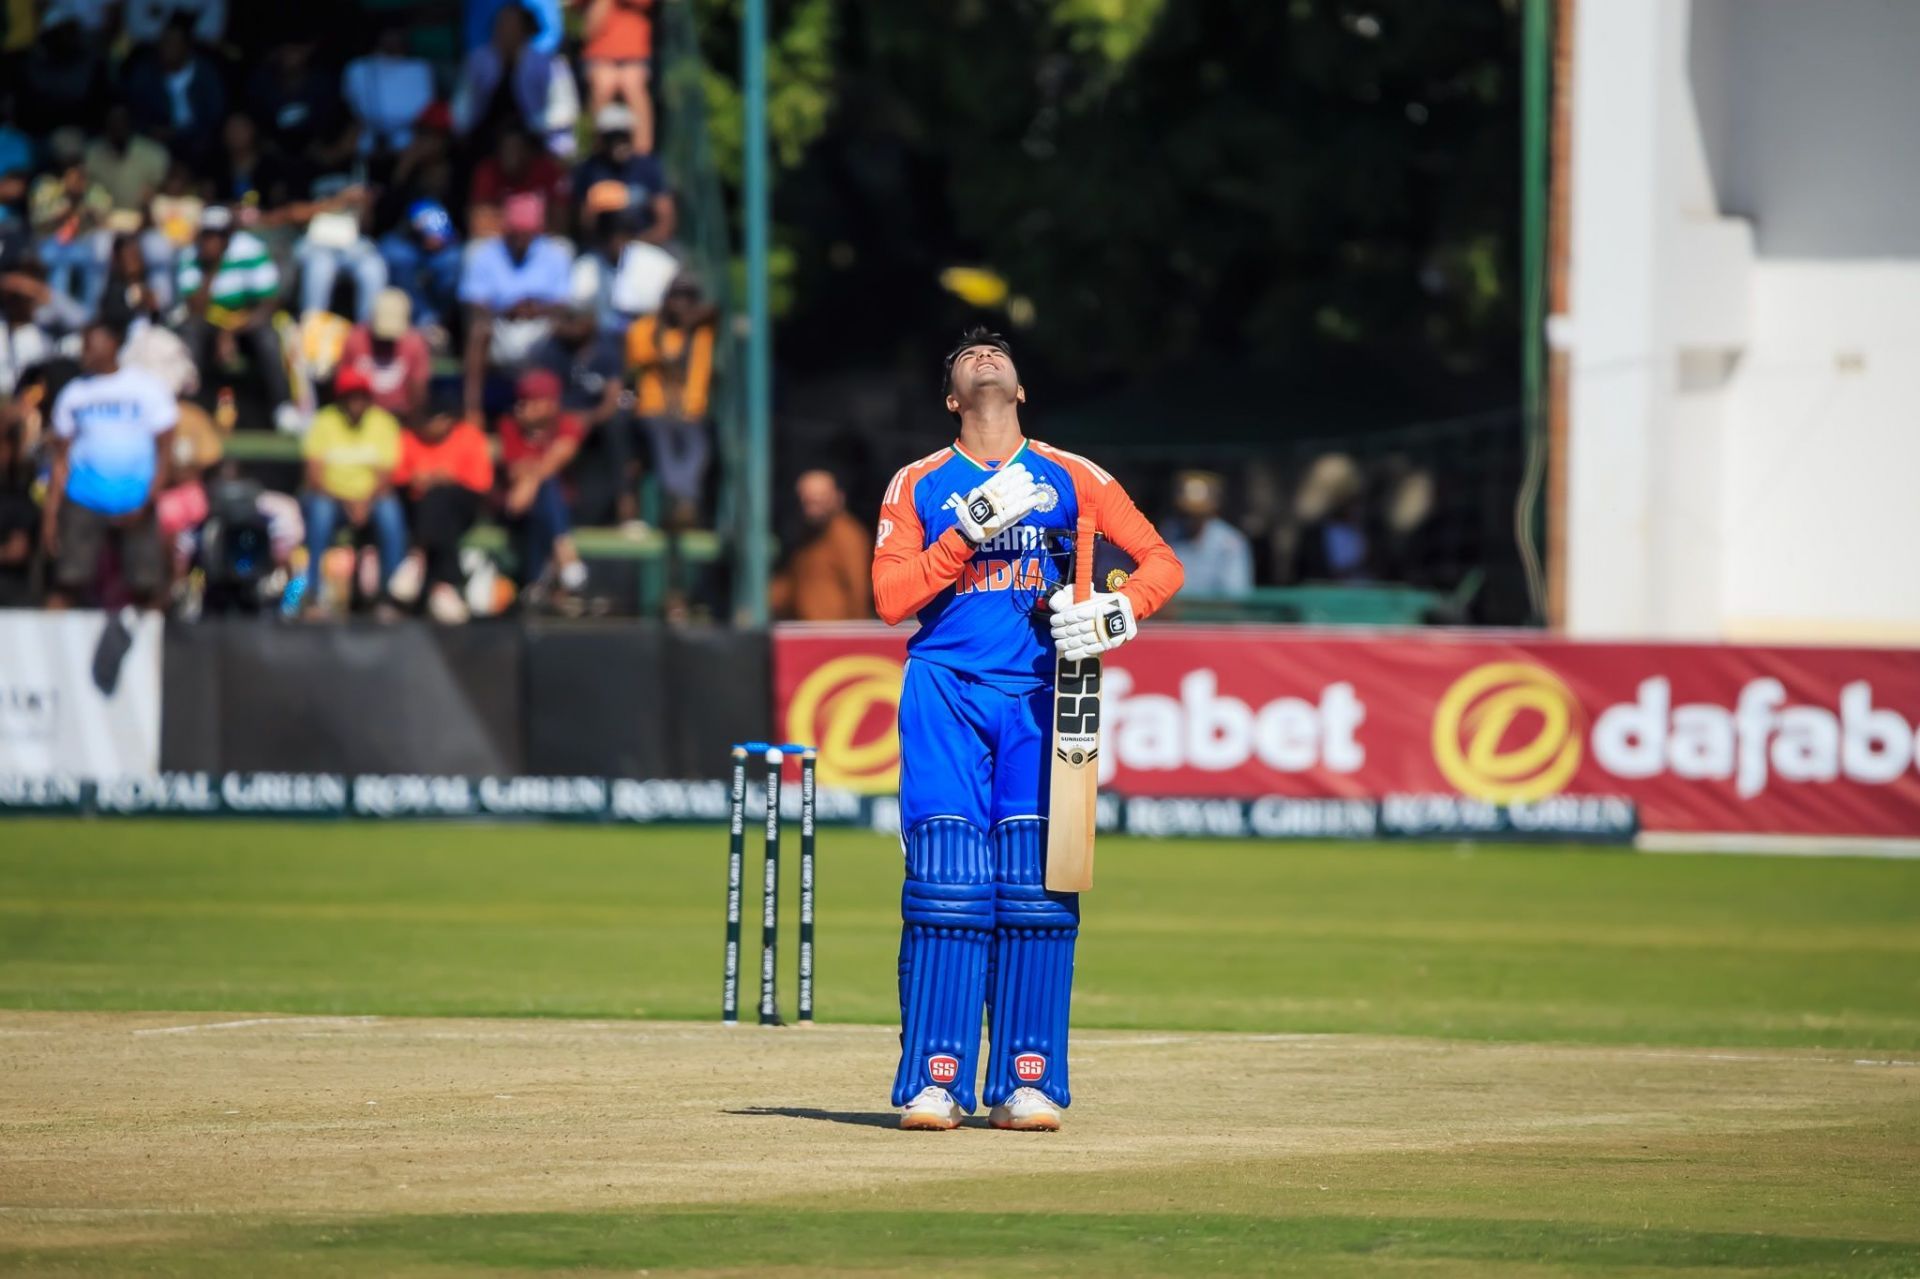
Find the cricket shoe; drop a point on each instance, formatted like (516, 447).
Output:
(933, 1110)
(1028, 1110)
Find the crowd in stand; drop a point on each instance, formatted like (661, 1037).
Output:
(451, 274)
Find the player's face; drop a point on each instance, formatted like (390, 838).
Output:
(982, 370)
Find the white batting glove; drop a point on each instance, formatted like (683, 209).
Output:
(1102, 622)
(1007, 497)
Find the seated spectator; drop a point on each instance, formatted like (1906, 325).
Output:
(130, 167)
(158, 350)
(828, 573)
(446, 473)
(1332, 545)
(513, 286)
(299, 104)
(229, 284)
(386, 91)
(16, 160)
(621, 278)
(423, 260)
(615, 170)
(247, 175)
(549, 23)
(511, 83)
(671, 358)
(519, 167)
(33, 322)
(335, 243)
(617, 50)
(537, 441)
(137, 294)
(68, 212)
(63, 81)
(182, 507)
(351, 450)
(174, 214)
(1405, 548)
(1216, 555)
(204, 21)
(592, 385)
(393, 356)
(178, 94)
(112, 429)
(19, 513)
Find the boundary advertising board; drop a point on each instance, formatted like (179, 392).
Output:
(1696, 738)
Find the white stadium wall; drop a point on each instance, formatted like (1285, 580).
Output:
(1744, 326)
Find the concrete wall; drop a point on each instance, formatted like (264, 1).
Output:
(1745, 307)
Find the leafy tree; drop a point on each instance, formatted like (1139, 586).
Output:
(1157, 182)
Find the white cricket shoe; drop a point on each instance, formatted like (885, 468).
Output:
(934, 1110)
(1028, 1110)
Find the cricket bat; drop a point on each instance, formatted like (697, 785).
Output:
(1075, 784)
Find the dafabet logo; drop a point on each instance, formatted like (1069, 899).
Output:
(1508, 733)
(848, 707)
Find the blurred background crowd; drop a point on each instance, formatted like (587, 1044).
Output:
(431, 291)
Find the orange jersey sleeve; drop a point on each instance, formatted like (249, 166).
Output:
(907, 575)
(1158, 573)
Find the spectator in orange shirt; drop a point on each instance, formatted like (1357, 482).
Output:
(671, 357)
(445, 473)
(828, 575)
(618, 54)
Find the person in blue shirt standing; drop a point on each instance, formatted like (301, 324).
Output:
(112, 429)
(966, 545)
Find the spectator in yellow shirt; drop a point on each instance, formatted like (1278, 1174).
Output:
(671, 358)
(351, 451)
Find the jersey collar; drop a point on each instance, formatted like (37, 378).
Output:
(990, 469)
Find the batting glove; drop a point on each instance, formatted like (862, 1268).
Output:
(1088, 629)
(1006, 498)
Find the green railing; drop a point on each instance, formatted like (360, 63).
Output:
(705, 234)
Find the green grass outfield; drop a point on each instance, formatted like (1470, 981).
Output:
(1489, 944)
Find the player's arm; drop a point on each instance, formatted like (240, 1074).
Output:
(1158, 573)
(1107, 620)
(905, 577)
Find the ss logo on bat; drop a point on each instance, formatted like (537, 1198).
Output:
(1076, 701)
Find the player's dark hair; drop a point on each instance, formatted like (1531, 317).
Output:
(978, 335)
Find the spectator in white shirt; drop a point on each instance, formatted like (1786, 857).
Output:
(94, 16)
(146, 19)
(112, 429)
(386, 91)
(1216, 555)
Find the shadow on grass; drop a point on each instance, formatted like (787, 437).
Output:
(855, 1118)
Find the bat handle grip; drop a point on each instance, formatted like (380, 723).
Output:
(1083, 559)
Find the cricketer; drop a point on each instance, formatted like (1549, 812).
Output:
(965, 544)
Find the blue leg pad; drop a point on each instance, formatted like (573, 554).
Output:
(1033, 936)
(947, 913)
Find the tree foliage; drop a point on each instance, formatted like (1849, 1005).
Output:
(1158, 181)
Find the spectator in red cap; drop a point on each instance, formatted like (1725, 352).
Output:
(513, 286)
(351, 451)
(537, 440)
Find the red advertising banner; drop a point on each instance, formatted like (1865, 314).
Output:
(1702, 738)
